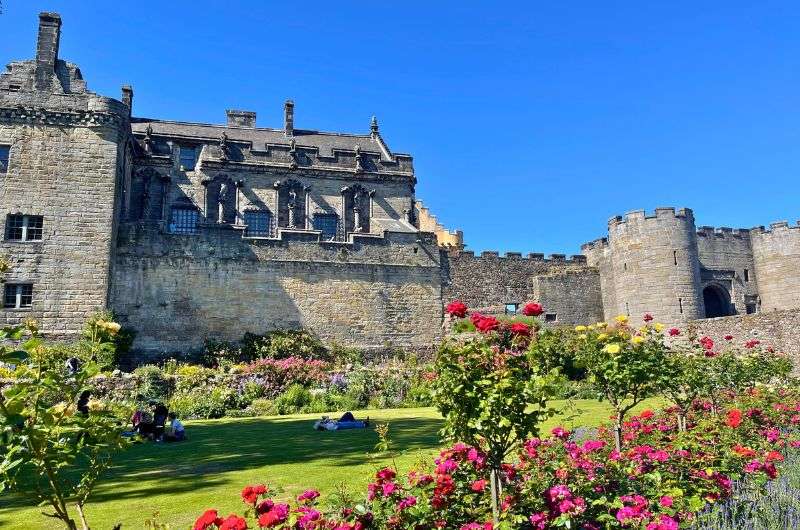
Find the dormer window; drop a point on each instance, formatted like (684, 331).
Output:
(188, 158)
(5, 153)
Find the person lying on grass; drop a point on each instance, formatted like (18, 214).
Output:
(347, 421)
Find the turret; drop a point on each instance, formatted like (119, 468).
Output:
(776, 254)
(653, 261)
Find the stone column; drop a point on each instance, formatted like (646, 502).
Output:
(239, 217)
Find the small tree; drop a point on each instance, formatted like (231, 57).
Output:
(492, 392)
(625, 365)
(59, 448)
(688, 378)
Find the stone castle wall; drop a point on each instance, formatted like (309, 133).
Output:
(780, 329)
(726, 260)
(374, 292)
(657, 251)
(489, 281)
(69, 268)
(776, 255)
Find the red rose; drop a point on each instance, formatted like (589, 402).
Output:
(532, 310)
(728, 337)
(520, 328)
(250, 493)
(209, 518)
(647, 317)
(478, 486)
(734, 418)
(487, 324)
(233, 522)
(674, 332)
(752, 343)
(707, 343)
(457, 308)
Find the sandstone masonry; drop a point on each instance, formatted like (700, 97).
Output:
(192, 231)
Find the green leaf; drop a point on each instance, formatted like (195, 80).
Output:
(14, 357)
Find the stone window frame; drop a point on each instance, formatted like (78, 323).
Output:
(248, 232)
(184, 230)
(182, 157)
(26, 226)
(18, 295)
(5, 157)
(551, 317)
(330, 216)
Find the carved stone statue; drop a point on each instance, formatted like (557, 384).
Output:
(293, 154)
(358, 227)
(148, 139)
(359, 160)
(224, 147)
(291, 204)
(222, 199)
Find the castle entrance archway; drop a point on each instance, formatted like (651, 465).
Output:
(717, 301)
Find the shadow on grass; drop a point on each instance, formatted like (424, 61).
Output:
(215, 448)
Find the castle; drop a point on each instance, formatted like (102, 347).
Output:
(192, 231)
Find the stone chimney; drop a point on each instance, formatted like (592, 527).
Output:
(288, 117)
(241, 118)
(47, 48)
(127, 98)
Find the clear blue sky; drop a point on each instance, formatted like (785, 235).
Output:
(531, 123)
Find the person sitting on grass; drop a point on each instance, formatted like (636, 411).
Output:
(174, 430)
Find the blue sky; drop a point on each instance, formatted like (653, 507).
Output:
(531, 123)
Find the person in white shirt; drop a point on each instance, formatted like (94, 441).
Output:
(174, 430)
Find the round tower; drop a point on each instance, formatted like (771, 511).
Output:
(776, 255)
(655, 265)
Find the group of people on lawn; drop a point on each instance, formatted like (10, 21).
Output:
(158, 424)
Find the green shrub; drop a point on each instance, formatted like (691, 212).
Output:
(216, 354)
(293, 400)
(152, 384)
(203, 403)
(189, 376)
(330, 401)
(281, 344)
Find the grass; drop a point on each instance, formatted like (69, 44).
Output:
(221, 456)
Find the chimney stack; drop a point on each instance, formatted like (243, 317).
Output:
(288, 117)
(127, 98)
(47, 48)
(241, 118)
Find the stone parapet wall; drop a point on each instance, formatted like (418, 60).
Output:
(490, 281)
(372, 293)
(780, 329)
(776, 254)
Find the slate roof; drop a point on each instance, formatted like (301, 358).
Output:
(326, 142)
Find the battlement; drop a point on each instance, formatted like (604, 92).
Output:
(723, 232)
(596, 244)
(636, 216)
(779, 226)
(575, 259)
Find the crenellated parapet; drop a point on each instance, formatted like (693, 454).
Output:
(776, 253)
(723, 232)
(493, 255)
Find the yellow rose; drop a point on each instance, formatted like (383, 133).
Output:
(580, 328)
(590, 327)
(112, 327)
(659, 327)
(601, 324)
(582, 336)
(621, 319)
(637, 339)
(602, 336)
(94, 405)
(612, 348)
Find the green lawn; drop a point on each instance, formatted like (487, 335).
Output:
(221, 456)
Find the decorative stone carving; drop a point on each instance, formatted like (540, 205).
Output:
(224, 148)
(359, 160)
(148, 139)
(293, 163)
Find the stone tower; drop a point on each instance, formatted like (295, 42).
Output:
(63, 155)
(657, 251)
(776, 253)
